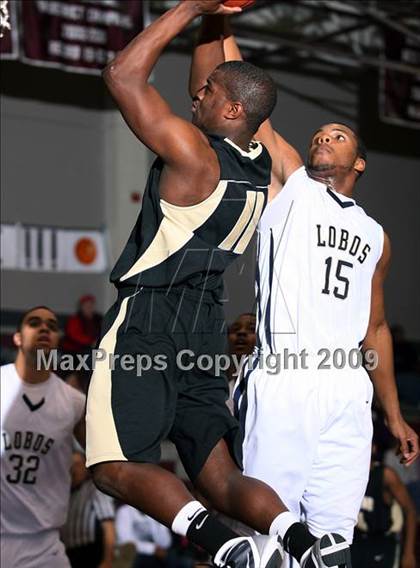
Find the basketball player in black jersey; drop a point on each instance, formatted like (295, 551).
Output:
(205, 194)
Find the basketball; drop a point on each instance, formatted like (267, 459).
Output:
(239, 3)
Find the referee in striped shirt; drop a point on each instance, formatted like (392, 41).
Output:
(89, 533)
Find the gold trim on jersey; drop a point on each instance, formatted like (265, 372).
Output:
(251, 154)
(252, 225)
(239, 237)
(102, 442)
(176, 229)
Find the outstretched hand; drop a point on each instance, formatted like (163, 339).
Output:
(408, 441)
(213, 7)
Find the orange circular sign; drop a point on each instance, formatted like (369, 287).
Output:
(85, 250)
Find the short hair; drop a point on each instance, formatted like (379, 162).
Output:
(252, 87)
(360, 145)
(23, 316)
(251, 314)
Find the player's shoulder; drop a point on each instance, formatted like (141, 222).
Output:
(283, 200)
(70, 398)
(368, 219)
(296, 184)
(297, 177)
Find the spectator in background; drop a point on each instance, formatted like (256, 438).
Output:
(89, 533)
(151, 539)
(375, 537)
(82, 329)
(242, 338)
(410, 476)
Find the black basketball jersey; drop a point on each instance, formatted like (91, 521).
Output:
(192, 246)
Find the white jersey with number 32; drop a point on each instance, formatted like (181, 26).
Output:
(37, 422)
(317, 254)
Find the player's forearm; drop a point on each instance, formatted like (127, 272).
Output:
(379, 340)
(137, 60)
(230, 47)
(208, 52)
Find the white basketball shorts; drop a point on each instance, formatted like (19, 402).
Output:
(308, 435)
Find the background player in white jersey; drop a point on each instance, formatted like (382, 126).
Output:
(39, 416)
(322, 263)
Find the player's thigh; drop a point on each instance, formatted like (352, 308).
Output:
(202, 420)
(340, 472)
(132, 395)
(281, 432)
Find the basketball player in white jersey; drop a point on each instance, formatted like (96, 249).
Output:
(39, 416)
(321, 266)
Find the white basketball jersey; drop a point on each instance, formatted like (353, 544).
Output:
(37, 423)
(317, 253)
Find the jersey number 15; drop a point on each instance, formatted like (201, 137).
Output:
(340, 291)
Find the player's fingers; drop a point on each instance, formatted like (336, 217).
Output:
(413, 452)
(404, 449)
(228, 11)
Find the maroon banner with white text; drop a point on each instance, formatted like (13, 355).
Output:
(78, 36)
(9, 43)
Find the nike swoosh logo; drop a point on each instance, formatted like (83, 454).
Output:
(200, 524)
(190, 518)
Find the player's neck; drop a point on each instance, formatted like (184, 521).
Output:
(343, 184)
(27, 370)
(242, 141)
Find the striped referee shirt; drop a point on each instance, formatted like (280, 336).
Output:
(88, 507)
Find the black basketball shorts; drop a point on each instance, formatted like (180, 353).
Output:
(155, 378)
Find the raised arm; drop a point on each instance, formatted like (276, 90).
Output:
(144, 109)
(208, 52)
(378, 339)
(285, 158)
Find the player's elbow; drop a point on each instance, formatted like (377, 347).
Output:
(112, 74)
(116, 74)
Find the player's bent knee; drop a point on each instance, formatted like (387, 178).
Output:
(218, 489)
